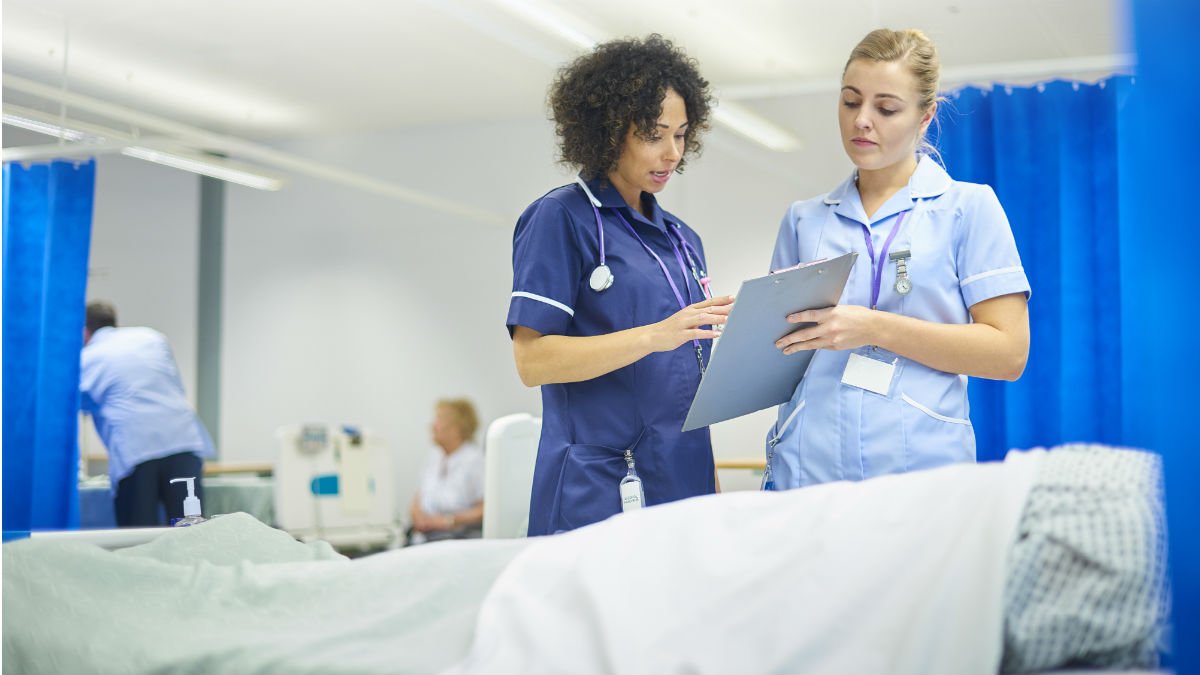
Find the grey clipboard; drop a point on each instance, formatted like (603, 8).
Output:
(747, 372)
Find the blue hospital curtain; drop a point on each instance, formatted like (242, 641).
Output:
(1160, 325)
(1050, 151)
(47, 233)
(1099, 188)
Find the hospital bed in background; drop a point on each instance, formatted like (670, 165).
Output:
(335, 483)
(226, 492)
(510, 451)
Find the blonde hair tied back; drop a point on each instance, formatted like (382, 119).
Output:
(917, 52)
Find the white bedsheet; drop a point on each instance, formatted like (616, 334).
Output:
(897, 575)
(903, 574)
(234, 596)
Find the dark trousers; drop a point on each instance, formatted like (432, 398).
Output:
(140, 493)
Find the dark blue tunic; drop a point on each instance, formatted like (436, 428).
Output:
(586, 426)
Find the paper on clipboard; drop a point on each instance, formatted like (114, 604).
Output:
(747, 372)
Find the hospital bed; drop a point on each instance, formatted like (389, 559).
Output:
(878, 576)
(306, 456)
(223, 493)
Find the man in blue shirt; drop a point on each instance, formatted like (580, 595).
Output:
(129, 384)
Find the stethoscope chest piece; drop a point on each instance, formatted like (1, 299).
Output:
(601, 279)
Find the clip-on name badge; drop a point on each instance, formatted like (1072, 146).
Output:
(871, 369)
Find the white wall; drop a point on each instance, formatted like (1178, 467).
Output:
(348, 307)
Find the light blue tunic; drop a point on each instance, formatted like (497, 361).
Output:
(129, 383)
(963, 252)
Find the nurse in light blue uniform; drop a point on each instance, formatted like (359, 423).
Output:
(610, 312)
(937, 294)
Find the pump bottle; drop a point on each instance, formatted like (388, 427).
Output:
(191, 505)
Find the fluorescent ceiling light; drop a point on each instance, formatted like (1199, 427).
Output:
(47, 129)
(206, 167)
(85, 143)
(52, 151)
(738, 118)
(52, 125)
(755, 127)
(183, 134)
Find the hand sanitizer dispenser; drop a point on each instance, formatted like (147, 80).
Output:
(191, 505)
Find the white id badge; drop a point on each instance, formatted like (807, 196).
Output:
(870, 373)
(631, 495)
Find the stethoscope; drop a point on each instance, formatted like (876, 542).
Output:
(602, 276)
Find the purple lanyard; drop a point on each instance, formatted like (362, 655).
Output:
(698, 272)
(661, 265)
(877, 269)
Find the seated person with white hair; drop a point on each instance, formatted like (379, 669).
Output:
(449, 504)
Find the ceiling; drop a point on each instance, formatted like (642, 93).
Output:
(266, 70)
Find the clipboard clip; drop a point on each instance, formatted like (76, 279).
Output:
(796, 267)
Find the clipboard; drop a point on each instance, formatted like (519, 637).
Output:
(747, 372)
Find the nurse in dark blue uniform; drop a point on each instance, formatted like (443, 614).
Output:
(610, 311)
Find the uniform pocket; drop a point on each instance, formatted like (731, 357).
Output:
(934, 439)
(589, 486)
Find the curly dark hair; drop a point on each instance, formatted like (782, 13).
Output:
(596, 98)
